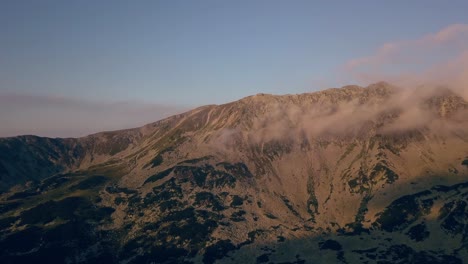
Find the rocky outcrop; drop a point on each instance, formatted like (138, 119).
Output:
(349, 175)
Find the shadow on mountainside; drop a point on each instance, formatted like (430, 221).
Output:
(423, 225)
(62, 219)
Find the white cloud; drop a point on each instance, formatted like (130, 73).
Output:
(435, 59)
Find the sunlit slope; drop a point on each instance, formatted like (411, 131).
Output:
(343, 175)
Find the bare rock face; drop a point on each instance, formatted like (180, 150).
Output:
(352, 175)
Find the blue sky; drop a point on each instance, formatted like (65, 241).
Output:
(191, 53)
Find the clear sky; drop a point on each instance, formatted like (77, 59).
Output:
(179, 54)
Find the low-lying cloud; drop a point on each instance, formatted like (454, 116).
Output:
(53, 116)
(418, 67)
(354, 113)
(428, 93)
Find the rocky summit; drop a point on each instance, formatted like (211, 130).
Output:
(375, 174)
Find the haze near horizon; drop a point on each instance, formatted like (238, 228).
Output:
(69, 69)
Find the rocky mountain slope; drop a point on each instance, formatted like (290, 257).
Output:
(350, 175)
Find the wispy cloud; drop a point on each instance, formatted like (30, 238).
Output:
(54, 116)
(440, 58)
(453, 36)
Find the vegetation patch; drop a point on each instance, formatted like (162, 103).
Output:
(290, 206)
(119, 200)
(115, 190)
(454, 215)
(48, 211)
(89, 183)
(197, 160)
(219, 250)
(55, 182)
(7, 207)
(154, 254)
(418, 232)
(465, 163)
(236, 201)
(312, 203)
(209, 200)
(221, 179)
(156, 161)
(187, 225)
(276, 148)
(271, 216)
(238, 216)
(390, 175)
(330, 245)
(21, 241)
(7, 222)
(252, 235)
(22, 195)
(406, 254)
(66, 209)
(170, 205)
(263, 258)
(402, 213)
(170, 189)
(66, 239)
(238, 169)
(363, 208)
(159, 176)
(196, 175)
(353, 183)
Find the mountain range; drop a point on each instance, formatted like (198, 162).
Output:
(375, 174)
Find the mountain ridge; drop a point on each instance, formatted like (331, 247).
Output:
(343, 175)
(241, 112)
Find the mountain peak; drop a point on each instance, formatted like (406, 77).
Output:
(350, 175)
